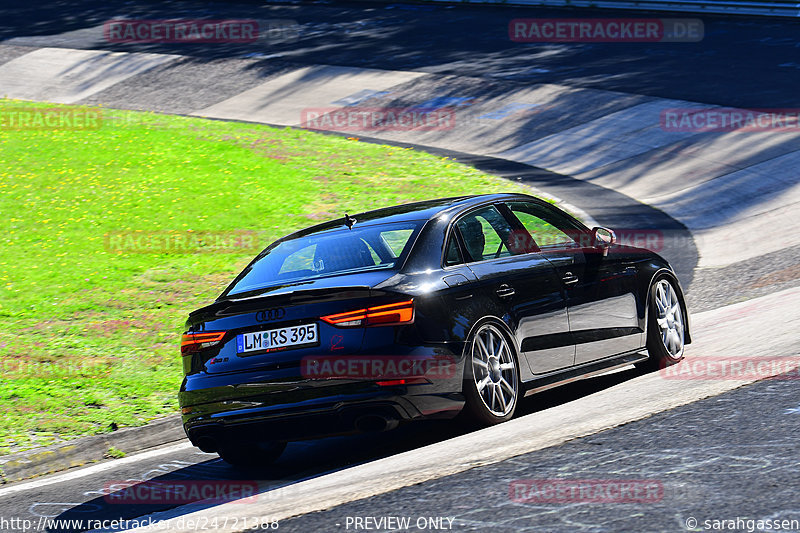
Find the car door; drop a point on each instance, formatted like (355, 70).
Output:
(600, 291)
(520, 286)
(461, 307)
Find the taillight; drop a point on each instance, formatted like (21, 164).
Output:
(194, 342)
(380, 315)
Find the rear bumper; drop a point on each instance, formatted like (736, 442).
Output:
(332, 420)
(283, 405)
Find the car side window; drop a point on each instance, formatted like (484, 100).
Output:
(548, 228)
(486, 234)
(453, 253)
(396, 240)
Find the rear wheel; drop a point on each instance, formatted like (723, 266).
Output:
(251, 454)
(491, 380)
(665, 326)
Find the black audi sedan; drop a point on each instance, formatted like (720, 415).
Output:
(436, 309)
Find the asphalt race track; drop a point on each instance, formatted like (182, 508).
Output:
(587, 134)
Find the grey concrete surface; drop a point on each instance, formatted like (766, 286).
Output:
(187, 84)
(465, 60)
(82, 451)
(66, 76)
(722, 334)
(282, 100)
(727, 457)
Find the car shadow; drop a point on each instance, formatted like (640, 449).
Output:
(309, 459)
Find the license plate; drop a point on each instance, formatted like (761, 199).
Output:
(277, 339)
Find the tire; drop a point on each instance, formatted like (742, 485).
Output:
(666, 326)
(491, 377)
(251, 454)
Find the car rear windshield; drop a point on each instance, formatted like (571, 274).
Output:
(339, 251)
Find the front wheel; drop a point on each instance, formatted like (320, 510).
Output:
(666, 325)
(491, 380)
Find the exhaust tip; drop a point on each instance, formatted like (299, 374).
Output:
(207, 444)
(374, 423)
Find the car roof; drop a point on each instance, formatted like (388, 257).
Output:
(424, 210)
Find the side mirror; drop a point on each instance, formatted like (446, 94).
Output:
(603, 238)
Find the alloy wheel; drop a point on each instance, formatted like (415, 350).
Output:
(669, 318)
(494, 370)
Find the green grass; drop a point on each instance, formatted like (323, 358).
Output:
(114, 453)
(90, 335)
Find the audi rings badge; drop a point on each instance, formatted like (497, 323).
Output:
(268, 315)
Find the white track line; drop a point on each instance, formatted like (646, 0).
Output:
(94, 469)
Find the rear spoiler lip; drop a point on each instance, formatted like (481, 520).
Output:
(291, 297)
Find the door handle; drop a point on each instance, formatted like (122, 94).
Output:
(505, 291)
(569, 278)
